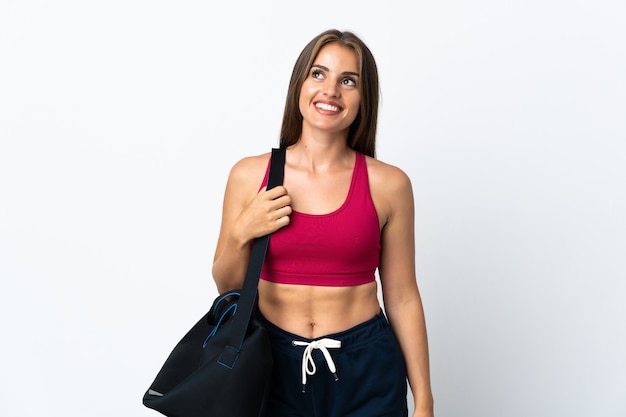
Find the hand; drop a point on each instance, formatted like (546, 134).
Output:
(423, 413)
(267, 212)
(425, 408)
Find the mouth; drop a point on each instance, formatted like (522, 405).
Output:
(328, 107)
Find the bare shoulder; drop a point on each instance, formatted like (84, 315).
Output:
(249, 170)
(245, 179)
(387, 178)
(391, 190)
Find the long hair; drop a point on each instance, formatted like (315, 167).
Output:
(362, 132)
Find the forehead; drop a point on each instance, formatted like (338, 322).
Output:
(336, 56)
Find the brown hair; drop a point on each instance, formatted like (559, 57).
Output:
(362, 133)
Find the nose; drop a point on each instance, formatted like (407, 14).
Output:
(331, 88)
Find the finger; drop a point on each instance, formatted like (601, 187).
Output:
(280, 202)
(276, 192)
(282, 222)
(284, 211)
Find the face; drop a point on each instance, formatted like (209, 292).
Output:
(330, 97)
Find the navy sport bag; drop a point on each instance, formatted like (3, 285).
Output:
(222, 366)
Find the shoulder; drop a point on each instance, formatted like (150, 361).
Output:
(249, 169)
(391, 191)
(245, 178)
(384, 176)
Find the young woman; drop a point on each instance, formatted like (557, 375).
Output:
(340, 216)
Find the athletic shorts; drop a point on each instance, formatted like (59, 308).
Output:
(359, 372)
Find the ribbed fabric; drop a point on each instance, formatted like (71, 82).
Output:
(341, 248)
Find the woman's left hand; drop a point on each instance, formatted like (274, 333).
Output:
(423, 413)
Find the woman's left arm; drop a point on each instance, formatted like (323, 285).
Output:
(401, 296)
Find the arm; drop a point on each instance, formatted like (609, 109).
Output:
(246, 214)
(401, 296)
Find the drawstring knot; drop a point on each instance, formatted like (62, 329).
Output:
(308, 364)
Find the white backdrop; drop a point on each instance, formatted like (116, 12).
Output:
(119, 121)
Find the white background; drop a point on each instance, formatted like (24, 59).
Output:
(119, 121)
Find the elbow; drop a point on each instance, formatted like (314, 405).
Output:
(222, 281)
(219, 284)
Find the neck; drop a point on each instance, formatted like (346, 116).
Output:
(318, 156)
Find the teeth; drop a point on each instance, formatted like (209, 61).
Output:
(325, 106)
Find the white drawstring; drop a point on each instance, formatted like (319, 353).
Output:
(308, 364)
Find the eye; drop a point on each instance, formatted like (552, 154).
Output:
(317, 73)
(349, 82)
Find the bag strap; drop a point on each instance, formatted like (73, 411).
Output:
(248, 299)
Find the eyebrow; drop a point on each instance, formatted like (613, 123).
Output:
(356, 74)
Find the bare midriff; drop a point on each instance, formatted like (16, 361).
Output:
(315, 311)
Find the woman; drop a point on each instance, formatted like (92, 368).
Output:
(340, 215)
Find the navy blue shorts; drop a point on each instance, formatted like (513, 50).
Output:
(369, 378)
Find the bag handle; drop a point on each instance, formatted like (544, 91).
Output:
(248, 299)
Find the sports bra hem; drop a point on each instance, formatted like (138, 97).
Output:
(321, 280)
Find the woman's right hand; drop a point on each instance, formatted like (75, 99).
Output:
(247, 214)
(266, 212)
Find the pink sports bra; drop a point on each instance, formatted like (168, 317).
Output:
(337, 249)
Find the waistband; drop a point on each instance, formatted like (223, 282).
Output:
(352, 338)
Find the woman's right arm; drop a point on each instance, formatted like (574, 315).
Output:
(246, 214)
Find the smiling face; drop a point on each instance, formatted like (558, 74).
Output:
(330, 97)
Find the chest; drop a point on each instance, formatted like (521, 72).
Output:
(320, 193)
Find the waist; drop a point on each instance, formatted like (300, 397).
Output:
(312, 311)
(354, 337)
